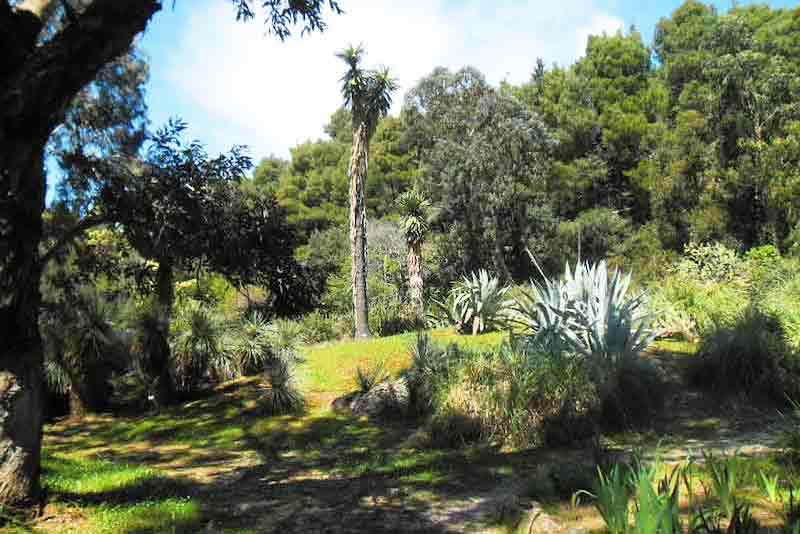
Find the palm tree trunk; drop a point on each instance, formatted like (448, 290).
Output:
(358, 229)
(415, 282)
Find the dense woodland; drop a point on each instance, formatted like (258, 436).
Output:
(664, 175)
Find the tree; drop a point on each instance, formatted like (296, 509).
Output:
(368, 95)
(485, 158)
(41, 73)
(415, 211)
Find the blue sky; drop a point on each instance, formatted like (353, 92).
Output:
(234, 84)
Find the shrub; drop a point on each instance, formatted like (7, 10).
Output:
(706, 304)
(713, 262)
(519, 397)
(632, 395)
(479, 303)
(250, 345)
(749, 357)
(451, 428)
(82, 348)
(317, 328)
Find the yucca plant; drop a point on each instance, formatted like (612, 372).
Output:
(281, 395)
(251, 344)
(480, 303)
(198, 350)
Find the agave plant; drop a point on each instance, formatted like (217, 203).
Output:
(479, 303)
(589, 309)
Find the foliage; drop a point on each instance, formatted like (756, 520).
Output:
(709, 263)
(198, 348)
(484, 157)
(479, 303)
(513, 395)
(748, 358)
(316, 327)
(414, 210)
(84, 344)
(588, 309)
(596, 234)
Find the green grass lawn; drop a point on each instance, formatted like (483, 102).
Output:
(162, 472)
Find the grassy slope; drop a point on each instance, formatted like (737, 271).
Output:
(169, 472)
(218, 461)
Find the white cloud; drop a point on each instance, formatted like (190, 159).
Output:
(274, 95)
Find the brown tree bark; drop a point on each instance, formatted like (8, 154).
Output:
(415, 282)
(358, 229)
(37, 83)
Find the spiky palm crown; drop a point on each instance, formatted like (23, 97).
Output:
(367, 92)
(414, 211)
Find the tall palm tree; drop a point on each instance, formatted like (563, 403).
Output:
(415, 212)
(368, 95)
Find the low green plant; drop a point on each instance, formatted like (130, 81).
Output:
(656, 507)
(250, 344)
(771, 486)
(612, 498)
(479, 303)
(589, 308)
(317, 328)
(724, 479)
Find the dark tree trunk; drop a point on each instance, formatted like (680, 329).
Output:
(21, 391)
(159, 352)
(358, 229)
(37, 83)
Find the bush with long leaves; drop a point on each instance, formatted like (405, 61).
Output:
(479, 303)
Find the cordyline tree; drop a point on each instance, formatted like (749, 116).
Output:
(414, 212)
(368, 95)
(41, 72)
